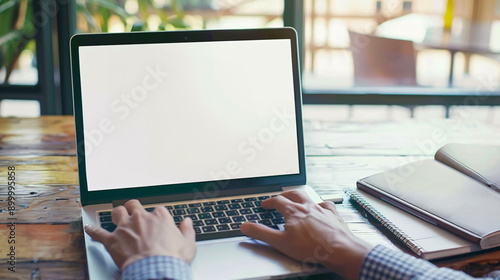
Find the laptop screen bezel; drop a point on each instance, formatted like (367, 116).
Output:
(106, 196)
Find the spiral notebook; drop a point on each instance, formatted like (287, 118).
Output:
(420, 237)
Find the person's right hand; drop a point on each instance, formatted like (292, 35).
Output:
(314, 233)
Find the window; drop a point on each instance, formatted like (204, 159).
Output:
(403, 52)
(138, 15)
(26, 70)
(401, 47)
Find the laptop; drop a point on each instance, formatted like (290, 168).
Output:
(205, 123)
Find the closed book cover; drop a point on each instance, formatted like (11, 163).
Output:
(422, 238)
(441, 195)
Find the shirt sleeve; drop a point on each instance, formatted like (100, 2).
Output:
(384, 263)
(158, 268)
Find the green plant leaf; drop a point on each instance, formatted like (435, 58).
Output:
(178, 23)
(105, 15)
(177, 8)
(15, 38)
(7, 5)
(86, 13)
(137, 26)
(102, 10)
(112, 6)
(144, 13)
(10, 37)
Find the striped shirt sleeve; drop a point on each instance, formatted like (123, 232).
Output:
(383, 263)
(158, 268)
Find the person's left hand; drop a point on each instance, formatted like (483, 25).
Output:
(140, 234)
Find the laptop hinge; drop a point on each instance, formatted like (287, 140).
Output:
(202, 195)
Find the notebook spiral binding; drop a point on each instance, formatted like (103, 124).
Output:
(384, 222)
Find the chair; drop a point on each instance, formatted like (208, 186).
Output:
(382, 61)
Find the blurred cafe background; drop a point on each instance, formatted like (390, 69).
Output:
(370, 59)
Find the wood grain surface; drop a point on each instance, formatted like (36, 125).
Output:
(48, 230)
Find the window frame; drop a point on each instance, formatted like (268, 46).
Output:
(293, 16)
(44, 90)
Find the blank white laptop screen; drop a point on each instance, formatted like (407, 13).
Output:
(160, 114)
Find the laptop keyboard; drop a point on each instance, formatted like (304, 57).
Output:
(215, 219)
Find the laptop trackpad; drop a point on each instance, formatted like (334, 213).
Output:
(244, 258)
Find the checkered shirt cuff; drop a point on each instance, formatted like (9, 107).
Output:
(158, 268)
(383, 263)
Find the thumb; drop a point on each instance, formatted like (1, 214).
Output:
(328, 205)
(257, 231)
(186, 227)
(97, 233)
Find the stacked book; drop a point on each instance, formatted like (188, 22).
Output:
(438, 208)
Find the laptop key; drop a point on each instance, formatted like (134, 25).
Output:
(108, 226)
(107, 213)
(257, 203)
(238, 200)
(250, 199)
(150, 209)
(223, 202)
(211, 222)
(208, 229)
(197, 230)
(169, 207)
(225, 220)
(180, 206)
(276, 214)
(259, 210)
(218, 214)
(234, 206)
(232, 213)
(207, 209)
(104, 219)
(266, 216)
(278, 221)
(209, 203)
(179, 212)
(266, 222)
(220, 207)
(235, 226)
(194, 204)
(177, 219)
(193, 210)
(222, 227)
(239, 219)
(193, 217)
(247, 204)
(263, 197)
(253, 217)
(246, 211)
(204, 216)
(198, 223)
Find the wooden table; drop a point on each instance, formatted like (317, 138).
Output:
(48, 231)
